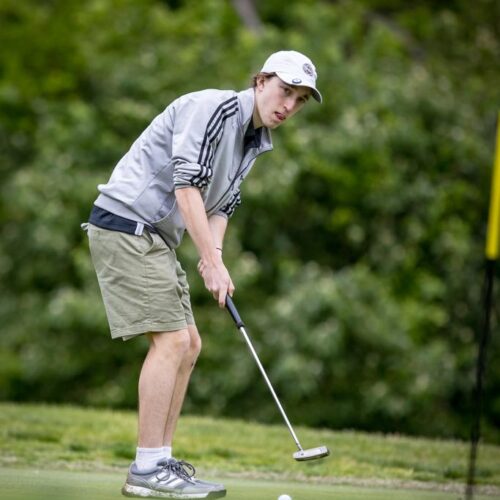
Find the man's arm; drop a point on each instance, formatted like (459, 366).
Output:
(218, 225)
(207, 236)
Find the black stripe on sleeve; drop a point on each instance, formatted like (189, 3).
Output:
(225, 110)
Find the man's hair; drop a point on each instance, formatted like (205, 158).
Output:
(267, 76)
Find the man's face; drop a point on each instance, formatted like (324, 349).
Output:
(276, 101)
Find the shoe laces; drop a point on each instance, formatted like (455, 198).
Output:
(181, 469)
(187, 467)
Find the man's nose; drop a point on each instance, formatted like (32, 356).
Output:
(289, 104)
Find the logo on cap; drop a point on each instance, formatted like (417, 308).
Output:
(308, 69)
(296, 80)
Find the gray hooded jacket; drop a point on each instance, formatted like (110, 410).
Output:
(198, 140)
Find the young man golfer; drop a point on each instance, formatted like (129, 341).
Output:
(183, 173)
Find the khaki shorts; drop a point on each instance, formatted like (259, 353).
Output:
(143, 286)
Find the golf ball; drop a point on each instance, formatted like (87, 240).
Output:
(284, 497)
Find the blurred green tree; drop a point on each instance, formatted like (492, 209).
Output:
(357, 253)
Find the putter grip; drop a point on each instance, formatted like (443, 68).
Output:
(234, 312)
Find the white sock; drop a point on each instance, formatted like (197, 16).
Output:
(167, 452)
(148, 458)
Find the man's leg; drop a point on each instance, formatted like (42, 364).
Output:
(181, 384)
(157, 382)
(162, 385)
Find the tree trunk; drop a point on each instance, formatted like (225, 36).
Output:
(247, 11)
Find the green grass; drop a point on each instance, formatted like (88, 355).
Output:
(49, 438)
(64, 485)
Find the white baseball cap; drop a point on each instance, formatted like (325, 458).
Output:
(293, 68)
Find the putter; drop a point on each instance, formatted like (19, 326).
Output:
(301, 455)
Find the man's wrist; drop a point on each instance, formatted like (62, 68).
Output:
(214, 258)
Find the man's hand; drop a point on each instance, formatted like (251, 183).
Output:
(217, 280)
(207, 236)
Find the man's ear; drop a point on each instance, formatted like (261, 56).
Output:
(260, 82)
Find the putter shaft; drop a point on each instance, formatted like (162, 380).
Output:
(268, 382)
(301, 455)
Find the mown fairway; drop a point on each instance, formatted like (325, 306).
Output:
(66, 452)
(62, 485)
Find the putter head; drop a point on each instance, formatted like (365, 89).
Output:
(311, 454)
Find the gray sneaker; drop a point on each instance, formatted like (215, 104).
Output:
(191, 471)
(168, 480)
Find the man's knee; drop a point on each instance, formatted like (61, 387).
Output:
(168, 344)
(195, 346)
(194, 342)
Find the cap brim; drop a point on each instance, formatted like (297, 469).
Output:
(289, 79)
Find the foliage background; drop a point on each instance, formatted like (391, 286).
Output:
(358, 251)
